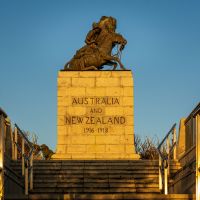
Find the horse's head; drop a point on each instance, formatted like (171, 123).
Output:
(119, 39)
(123, 44)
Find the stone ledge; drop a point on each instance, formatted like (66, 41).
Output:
(95, 156)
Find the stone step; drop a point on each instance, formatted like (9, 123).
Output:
(91, 162)
(95, 185)
(97, 180)
(107, 173)
(119, 196)
(95, 190)
(94, 179)
(100, 164)
(87, 167)
(100, 176)
(86, 184)
(95, 172)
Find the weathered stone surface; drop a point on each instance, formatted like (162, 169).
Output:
(95, 115)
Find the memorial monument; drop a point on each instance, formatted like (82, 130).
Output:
(95, 117)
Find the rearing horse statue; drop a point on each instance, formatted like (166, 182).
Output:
(97, 53)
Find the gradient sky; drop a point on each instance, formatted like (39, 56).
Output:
(38, 37)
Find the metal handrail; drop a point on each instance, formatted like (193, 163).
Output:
(2, 147)
(172, 128)
(17, 148)
(24, 136)
(27, 160)
(164, 159)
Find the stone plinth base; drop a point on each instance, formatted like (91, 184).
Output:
(95, 115)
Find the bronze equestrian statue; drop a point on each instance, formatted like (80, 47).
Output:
(98, 49)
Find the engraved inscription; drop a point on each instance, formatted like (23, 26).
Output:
(95, 120)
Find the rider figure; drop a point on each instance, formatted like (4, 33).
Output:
(105, 22)
(91, 46)
(97, 51)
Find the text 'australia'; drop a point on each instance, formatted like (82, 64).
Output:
(95, 101)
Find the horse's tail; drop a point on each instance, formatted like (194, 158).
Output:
(66, 66)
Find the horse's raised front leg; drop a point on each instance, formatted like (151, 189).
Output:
(116, 59)
(111, 63)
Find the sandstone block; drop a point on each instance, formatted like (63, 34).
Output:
(76, 148)
(122, 74)
(64, 82)
(63, 139)
(129, 130)
(60, 120)
(61, 91)
(89, 74)
(109, 82)
(114, 111)
(129, 120)
(120, 130)
(60, 148)
(83, 139)
(75, 91)
(75, 130)
(128, 110)
(82, 156)
(62, 110)
(128, 91)
(64, 74)
(115, 148)
(126, 82)
(95, 149)
(61, 130)
(108, 140)
(127, 139)
(128, 101)
(106, 74)
(114, 91)
(129, 148)
(76, 110)
(63, 101)
(83, 82)
(97, 91)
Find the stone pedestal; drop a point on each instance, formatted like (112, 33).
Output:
(95, 115)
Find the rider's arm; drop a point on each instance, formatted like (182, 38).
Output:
(92, 36)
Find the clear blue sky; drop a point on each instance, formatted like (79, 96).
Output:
(38, 37)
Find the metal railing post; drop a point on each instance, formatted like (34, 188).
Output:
(23, 156)
(164, 151)
(12, 144)
(31, 171)
(26, 178)
(174, 143)
(15, 143)
(160, 173)
(165, 180)
(198, 157)
(168, 154)
(2, 124)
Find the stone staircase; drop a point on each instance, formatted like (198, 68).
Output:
(124, 179)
